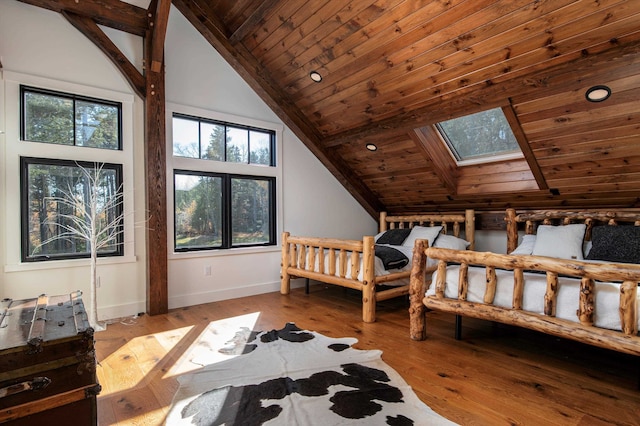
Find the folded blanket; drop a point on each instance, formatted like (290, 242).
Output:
(391, 257)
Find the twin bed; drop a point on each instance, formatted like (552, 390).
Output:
(362, 264)
(570, 274)
(574, 275)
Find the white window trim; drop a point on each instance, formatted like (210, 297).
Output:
(199, 165)
(15, 148)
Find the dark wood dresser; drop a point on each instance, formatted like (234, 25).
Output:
(47, 362)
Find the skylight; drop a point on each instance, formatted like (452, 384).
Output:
(481, 137)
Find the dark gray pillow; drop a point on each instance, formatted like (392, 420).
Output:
(615, 244)
(394, 237)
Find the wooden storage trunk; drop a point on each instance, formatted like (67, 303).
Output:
(47, 362)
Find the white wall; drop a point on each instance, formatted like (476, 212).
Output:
(37, 42)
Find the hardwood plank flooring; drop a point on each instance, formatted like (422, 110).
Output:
(497, 375)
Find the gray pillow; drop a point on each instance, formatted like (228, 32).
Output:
(615, 244)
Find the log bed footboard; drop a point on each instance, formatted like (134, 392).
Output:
(351, 263)
(584, 331)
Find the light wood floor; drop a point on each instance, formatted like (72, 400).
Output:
(496, 375)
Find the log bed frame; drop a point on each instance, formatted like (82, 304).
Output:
(297, 264)
(626, 341)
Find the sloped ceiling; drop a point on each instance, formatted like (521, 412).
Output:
(392, 68)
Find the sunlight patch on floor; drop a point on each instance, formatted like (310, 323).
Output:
(204, 350)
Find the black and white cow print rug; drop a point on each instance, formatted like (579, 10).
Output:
(297, 377)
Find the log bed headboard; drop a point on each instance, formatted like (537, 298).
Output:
(409, 221)
(533, 218)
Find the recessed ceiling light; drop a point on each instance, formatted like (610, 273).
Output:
(371, 147)
(598, 93)
(315, 76)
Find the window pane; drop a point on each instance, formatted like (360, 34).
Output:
(97, 125)
(48, 118)
(477, 135)
(186, 138)
(198, 211)
(237, 145)
(250, 211)
(212, 141)
(58, 204)
(260, 144)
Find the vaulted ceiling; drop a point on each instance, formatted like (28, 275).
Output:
(392, 68)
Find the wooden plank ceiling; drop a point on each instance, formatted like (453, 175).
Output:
(392, 68)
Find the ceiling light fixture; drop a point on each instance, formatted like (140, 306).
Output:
(371, 147)
(315, 76)
(598, 93)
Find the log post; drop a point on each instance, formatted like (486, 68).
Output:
(285, 279)
(355, 264)
(470, 227)
(550, 294)
(490, 290)
(417, 289)
(311, 264)
(585, 307)
(512, 230)
(321, 260)
(441, 282)
(463, 281)
(343, 263)
(518, 288)
(383, 222)
(332, 261)
(628, 308)
(368, 281)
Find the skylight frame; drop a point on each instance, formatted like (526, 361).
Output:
(489, 157)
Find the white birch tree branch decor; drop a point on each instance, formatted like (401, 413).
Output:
(90, 219)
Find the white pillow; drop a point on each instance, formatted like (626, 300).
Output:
(526, 246)
(564, 242)
(422, 233)
(451, 242)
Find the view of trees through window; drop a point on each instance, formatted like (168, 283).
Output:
(194, 138)
(46, 220)
(482, 134)
(69, 120)
(222, 210)
(200, 216)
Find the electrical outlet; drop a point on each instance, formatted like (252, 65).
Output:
(207, 270)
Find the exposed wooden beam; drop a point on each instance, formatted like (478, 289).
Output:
(110, 13)
(444, 166)
(514, 123)
(91, 30)
(156, 181)
(159, 16)
(250, 70)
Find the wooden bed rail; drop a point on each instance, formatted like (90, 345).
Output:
(629, 274)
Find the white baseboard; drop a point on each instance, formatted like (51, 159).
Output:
(132, 309)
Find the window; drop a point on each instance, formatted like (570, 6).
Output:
(222, 211)
(213, 140)
(229, 200)
(484, 135)
(67, 119)
(46, 219)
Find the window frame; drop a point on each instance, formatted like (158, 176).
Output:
(483, 158)
(24, 209)
(227, 213)
(15, 148)
(259, 171)
(24, 89)
(226, 125)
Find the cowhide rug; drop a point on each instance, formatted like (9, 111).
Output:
(297, 377)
